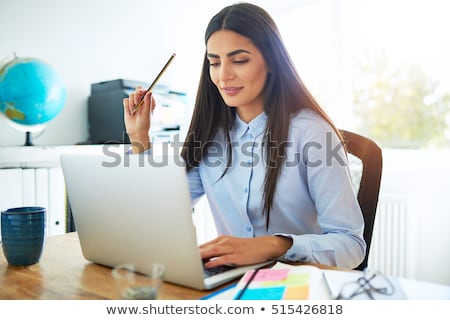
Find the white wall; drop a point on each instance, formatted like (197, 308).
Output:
(423, 177)
(94, 40)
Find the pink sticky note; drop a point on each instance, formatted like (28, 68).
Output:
(269, 275)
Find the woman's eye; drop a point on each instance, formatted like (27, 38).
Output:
(217, 63)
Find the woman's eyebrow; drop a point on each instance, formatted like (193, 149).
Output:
(229, 54)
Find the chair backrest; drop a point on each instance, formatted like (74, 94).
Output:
(369, 153)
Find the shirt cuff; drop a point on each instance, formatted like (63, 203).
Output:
(146, 152)
(300, 251)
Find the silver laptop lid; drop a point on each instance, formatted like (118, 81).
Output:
(135, 209)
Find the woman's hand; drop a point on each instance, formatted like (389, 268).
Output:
(243, 251)
(138, 123)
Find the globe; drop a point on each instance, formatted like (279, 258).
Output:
(31, 94)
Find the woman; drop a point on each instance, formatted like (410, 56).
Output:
(266, 155)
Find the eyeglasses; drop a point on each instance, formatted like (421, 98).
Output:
(370, 283)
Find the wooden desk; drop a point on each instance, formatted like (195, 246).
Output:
(63, 273)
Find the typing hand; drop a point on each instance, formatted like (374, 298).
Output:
(227, 250)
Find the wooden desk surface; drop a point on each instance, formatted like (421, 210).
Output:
(63, 273)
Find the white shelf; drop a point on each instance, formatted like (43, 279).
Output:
(46, 156)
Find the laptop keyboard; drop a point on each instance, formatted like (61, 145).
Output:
(208, 272)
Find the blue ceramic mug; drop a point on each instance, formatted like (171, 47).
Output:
(23, 234)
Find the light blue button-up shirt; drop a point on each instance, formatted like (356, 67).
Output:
(314, 203)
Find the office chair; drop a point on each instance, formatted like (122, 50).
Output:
(371, 160)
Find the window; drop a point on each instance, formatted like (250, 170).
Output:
(377, 67)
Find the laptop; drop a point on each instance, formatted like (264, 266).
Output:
(137, 209)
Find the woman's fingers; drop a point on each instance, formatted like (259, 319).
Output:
(137, 96)
(217, 251)
(147, 103)
(140, 94)
(126, 102)
(152, 104)
(243, 251)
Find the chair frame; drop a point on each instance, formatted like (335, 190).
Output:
(372, 161)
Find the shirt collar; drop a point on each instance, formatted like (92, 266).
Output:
(255, 127)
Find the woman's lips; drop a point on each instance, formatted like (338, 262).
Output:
(231, 91)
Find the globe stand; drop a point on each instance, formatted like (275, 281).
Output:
(28, 139)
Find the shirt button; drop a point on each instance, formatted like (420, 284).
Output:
(292, 256)
(249, 162)
(250, 136)
(246, 190)
(249, 228)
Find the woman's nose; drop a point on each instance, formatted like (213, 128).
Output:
(226, 72)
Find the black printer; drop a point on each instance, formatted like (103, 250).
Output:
(105, 110)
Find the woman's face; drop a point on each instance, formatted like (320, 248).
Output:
(238, 70)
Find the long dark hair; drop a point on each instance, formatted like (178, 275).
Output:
(284, 95)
